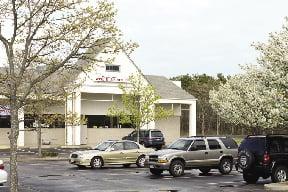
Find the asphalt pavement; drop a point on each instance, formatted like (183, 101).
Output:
(60, 176)
(55, 174)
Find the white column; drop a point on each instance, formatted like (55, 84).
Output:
(21, 136)
(69, 128)
(192, 119)
(73, 129)
(77, 111)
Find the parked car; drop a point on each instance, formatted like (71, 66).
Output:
(3, 174)
(264, 156)
(203, 153)
(149, 138)
(111, 152)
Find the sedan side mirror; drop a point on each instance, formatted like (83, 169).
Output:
(111, 149)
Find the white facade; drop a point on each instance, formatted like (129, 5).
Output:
(99, 89)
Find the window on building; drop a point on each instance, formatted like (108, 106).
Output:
(5, 121)
(113, 68)
(103, 121)
(184, 120)
(55, 121)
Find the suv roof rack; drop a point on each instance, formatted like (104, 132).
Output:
(282, 135)
(255, 136)
(268, 135)
(207, 136)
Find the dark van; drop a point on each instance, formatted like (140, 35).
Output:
(149, 138)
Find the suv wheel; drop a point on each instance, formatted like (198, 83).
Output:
(96, 163)
(245, 159)
(156, 171)
(279, 174)
(140, 161)
(176, 168)
(205, 170)
(225, 166)
(250, 178)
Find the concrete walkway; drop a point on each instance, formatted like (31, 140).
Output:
(276, 186)
(31, 154)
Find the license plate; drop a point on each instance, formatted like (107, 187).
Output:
(151, 166)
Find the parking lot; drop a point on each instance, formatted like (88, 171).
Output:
(54, 176)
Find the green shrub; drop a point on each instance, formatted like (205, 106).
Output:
(49, 154)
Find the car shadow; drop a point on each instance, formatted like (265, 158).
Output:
(106, 168)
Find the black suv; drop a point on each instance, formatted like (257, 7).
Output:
(148, 138)
(264, 156)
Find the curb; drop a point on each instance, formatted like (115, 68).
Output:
(276, 186)
(25, 159)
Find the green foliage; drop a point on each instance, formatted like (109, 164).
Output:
(200, 86)
(47, 153)
(138, 104)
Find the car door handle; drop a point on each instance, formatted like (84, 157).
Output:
(206, 153)
(121, 153)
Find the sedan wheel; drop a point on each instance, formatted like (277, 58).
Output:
(140, 161)
(96, 163)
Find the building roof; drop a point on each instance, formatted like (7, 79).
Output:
(167, 89)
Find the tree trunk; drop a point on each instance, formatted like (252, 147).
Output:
(138, 138)
(203, 124)
(39, 137)
(13, 137)
(217, 124)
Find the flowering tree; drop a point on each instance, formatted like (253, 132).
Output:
(259, 97)
(138, 104)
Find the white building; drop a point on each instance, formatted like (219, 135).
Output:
(100, 88)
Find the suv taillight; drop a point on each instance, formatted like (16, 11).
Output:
(266, 158)
(1, 166)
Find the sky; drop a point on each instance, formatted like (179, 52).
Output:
(178, 37)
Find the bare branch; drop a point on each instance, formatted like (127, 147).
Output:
(15, 19)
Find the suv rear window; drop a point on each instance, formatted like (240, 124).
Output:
(254, 144)
(229, 143)
(277, 144)
(156, 134)
(213, 144)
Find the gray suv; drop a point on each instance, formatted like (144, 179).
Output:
(203, 153)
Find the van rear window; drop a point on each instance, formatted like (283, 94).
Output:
(156, 134)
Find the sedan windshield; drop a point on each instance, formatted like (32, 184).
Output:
(103, 146)
(181, 144)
